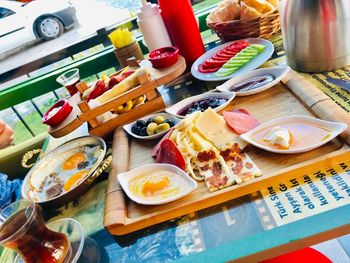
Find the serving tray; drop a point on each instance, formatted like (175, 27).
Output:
(123, 216)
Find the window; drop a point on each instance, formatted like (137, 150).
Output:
(4, 12)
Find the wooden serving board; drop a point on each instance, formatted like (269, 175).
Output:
(123, 216)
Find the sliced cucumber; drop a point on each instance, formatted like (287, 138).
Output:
(240, 59)
(258, 47)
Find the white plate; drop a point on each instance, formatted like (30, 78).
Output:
(253, 64)
(174, 110)
(127, 127)
(335, 127)
(277, 72)
(124, 179)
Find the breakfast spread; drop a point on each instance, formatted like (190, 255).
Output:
(211, 151)
(64, 173)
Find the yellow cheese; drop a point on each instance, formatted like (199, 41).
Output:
(199, 142)
(214, 128)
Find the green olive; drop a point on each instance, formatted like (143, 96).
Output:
(159, 119)
(151, 128)
(162, 127)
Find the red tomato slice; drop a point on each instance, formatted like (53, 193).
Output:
(202, 69)
(228, 52)
(169, 153)
(240, 122)
(217, 57)
(223, 55)
(211, 63)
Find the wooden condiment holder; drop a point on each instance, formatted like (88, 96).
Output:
(82, 112)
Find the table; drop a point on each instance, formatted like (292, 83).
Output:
(247, 229)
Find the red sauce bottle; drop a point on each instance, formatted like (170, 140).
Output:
(182, 27)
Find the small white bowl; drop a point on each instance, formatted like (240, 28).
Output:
(335, 127)
(176, 108)
(127, 127)
(277, 72)
(125, 178)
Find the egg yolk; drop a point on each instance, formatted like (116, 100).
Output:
(74, 179)
(73, 161)
(154, 184)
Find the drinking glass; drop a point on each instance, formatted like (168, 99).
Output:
(69, 80)
(23, 229)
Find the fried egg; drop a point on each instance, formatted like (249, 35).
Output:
(73, 161)
(63, 173)
(156, 185)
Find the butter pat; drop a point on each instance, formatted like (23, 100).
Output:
(278, 136)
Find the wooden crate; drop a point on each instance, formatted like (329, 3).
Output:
(124, 216)
(82, 112)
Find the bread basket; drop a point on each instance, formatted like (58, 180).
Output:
(263, 26)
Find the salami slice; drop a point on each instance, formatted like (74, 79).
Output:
(155, 150)
(169, 153)
(240, 120)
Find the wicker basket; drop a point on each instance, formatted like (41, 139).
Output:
(263, 26)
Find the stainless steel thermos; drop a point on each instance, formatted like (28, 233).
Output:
(316, 34)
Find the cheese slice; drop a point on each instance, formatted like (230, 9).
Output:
(240, 165)
(212, 167)
(214, 128)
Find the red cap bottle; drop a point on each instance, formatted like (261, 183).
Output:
(182, 27)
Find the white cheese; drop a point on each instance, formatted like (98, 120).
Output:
(278, 136)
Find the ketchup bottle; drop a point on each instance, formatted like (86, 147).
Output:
(182, 27)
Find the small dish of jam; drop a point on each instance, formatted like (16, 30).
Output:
(255, 81)
(216, 101)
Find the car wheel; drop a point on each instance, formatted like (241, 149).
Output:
(49, 27)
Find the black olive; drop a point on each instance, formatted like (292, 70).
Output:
(148, 122)
(140, 123)
(170, 122)
(143, 131)
(136, 129)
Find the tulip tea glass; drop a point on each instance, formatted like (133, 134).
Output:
(69, 80)
(23, 229)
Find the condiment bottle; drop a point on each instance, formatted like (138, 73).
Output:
(152, 26)
(183, 28)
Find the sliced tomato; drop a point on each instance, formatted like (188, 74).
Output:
(212, 63)
(222, 54)
(201, 69)
(234, 49)
(228, 52)
(217, 57)
(169, 153)
(240, 121)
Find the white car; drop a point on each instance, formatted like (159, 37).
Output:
(22, 23)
